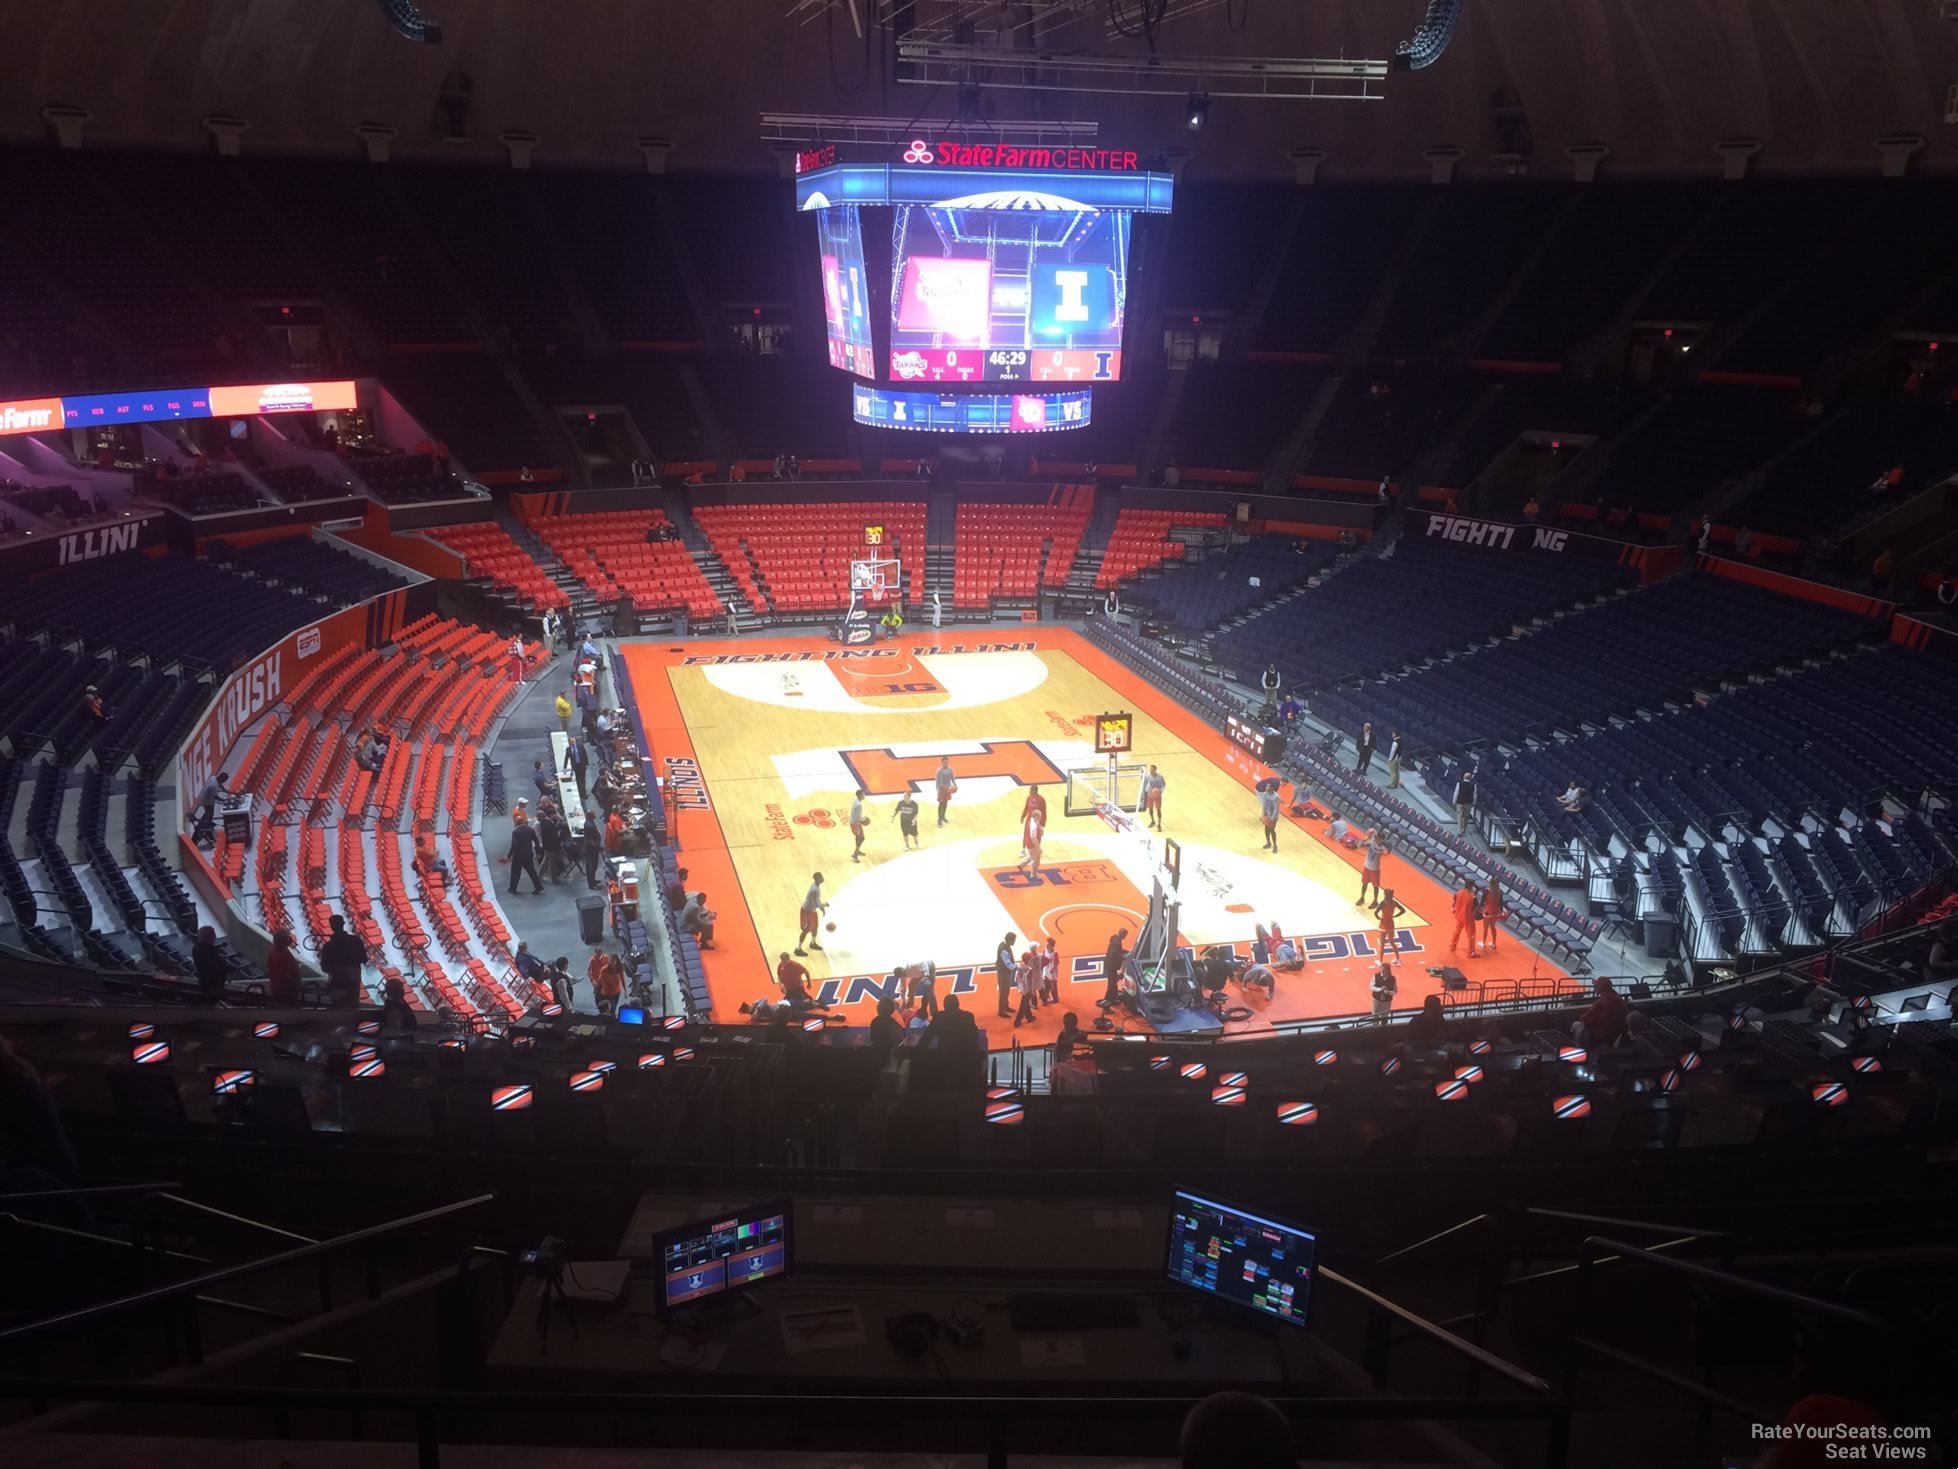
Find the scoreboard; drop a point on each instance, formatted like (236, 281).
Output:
(977, 413)
(1114, 733)
(1006, 266)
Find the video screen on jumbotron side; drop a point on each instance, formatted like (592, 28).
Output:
(1005, 293)
(846, 291)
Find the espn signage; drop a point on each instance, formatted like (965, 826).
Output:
(1008, 155)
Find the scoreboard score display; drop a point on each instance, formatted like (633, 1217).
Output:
(1267, 744)
(1114, 733)
(1008, 266)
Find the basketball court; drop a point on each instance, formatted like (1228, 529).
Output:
(782, 733)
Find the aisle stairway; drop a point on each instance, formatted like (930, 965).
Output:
(720, 576)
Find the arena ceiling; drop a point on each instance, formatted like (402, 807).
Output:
(1659, 82)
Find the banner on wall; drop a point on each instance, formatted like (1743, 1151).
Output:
(49, 552)
(1501, 537)
(262, 684)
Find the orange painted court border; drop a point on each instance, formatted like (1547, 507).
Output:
(740, 968)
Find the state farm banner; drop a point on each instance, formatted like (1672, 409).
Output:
(1507, 537)
(261, 684)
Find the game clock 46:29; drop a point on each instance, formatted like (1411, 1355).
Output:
(1006, 359)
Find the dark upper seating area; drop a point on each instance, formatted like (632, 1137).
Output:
(311, 566)
(516, 281)
(1761, 232)
(170, 607)
(774, 404)
(1699, 438)
(1525, 403)
(1662, 644)
(1345, 240)
(1604, 249)
(648, 386)
(1235, 414)
(611, 225)
(1468, 253)
(1220, 238)
(737, 232)
(1426, 599)
(1829, 478)
(1886, 251)
(1379, 423)
(466, 398)
(356, 234)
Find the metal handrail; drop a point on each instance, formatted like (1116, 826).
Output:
(196, 1285)
(230, 1218)
(1706, 1275)
(1461, 1346)
(39, 1226)
(1644, 1224)
(93, 1191)
(991, 1414)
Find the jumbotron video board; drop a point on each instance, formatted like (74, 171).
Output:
(1008, 266)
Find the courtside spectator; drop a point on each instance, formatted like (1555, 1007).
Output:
(1427, 1029)
(1464, 800)
(697, 919)
(341, 956)
(282, 970)
(208, 965)
(1604, 1023)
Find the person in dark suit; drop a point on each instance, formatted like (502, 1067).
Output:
(207, 962)
(1363, 750)
(1005, 965)
(953, 1029)
(886, 1034)
(523, 858)
(1113, 963)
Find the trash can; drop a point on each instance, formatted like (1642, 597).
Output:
(1661, 935)
(591, 919)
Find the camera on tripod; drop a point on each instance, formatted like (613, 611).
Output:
(546, 1262)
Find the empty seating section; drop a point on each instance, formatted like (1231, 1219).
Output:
(118, 271)
(612, 554)
(486, 424)
(796, 557)
(649, 386)
(1235, 414)
(356, 233)
(776, 404)
(1382, 613)
(1219, 240)
(1013, 550)
(1345, 242)
(1829, 478)
(1592, 265)
(737, 233)
(517, 281)
(1754, 240)
(311, 565)
(1704, 436)
(490, 551)
(297, 483)
(1193, 595)
(1469, 252)
(1664, 644)
(402, 479)
(616, 236)
(1886, 254)
(1785, 807)
(438, 690)
(168, 607)
(199, 494)
(1377, 424)
(1140, 541)
(1511, 406)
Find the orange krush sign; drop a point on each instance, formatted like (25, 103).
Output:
(883, 774)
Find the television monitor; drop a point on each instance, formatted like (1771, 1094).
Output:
(631, 1015)
(846, 290)
(722, 1255)
(993, 294)
(1261, 1264)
